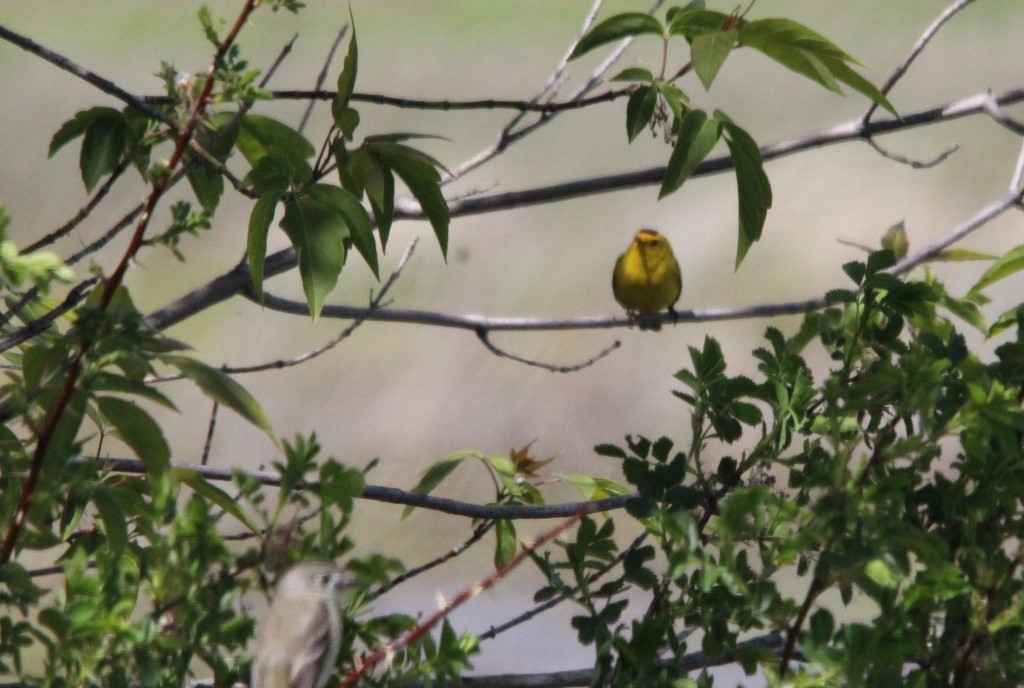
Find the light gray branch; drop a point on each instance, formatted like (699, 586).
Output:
(237, 282)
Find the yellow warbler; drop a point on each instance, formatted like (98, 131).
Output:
(647, 278)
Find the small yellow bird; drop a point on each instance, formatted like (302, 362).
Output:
(647, 278)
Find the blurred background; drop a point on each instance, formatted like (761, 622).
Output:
(409, 394)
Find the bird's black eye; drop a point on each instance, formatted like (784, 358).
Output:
(324, 579)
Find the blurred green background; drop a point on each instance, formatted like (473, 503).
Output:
(412, 394)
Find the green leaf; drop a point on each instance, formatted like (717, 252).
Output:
(709, 51)
(379, 184)
(695, 22)
(217, 496)
(355, 216)
(73, 128)
(752, 185)
(423, 182)
(222, 389)
(505, 544)
(63, 438)
(206, 182)
(347, 78)
(109, 382)
(259, 135)
(113, 518)
(436, 473)
(810, 54)
(256, 243)
(639, 110)
(1009, 263)
(140, 432)
(953, 255)
(103, 146)
(634, 74)
(616, 27)
(317, 230)
(697, 137)
(609, 450)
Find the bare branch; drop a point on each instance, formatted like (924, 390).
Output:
(1017, 181)
(322, 76)
(995, 112)
(237, 280)
(99, 82)
(392, 495)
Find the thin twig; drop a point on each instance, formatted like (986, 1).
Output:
(484, 336)
(918, 47)
(211, 426)
(83, 212)
(39, 325)
(322, 76)
(915, 164)
(99, 82)
(376, 304)
(478, 532)
(494, 631)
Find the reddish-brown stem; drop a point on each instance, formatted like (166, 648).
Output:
(109, 288)
(463, 597)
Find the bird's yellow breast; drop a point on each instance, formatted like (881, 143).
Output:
(647, 278)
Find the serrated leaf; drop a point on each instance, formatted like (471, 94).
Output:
(221, 388)
(1009, 263)
(103, 145)
(752, 186)
(697, 137)
(639, 109)
(317, 230)
(505, 543)
(139, 431)
(616, 27)
(423, 182)
(215, 495)
(256, 242)
(709, 52)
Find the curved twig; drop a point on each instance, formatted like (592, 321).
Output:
(483, 335)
